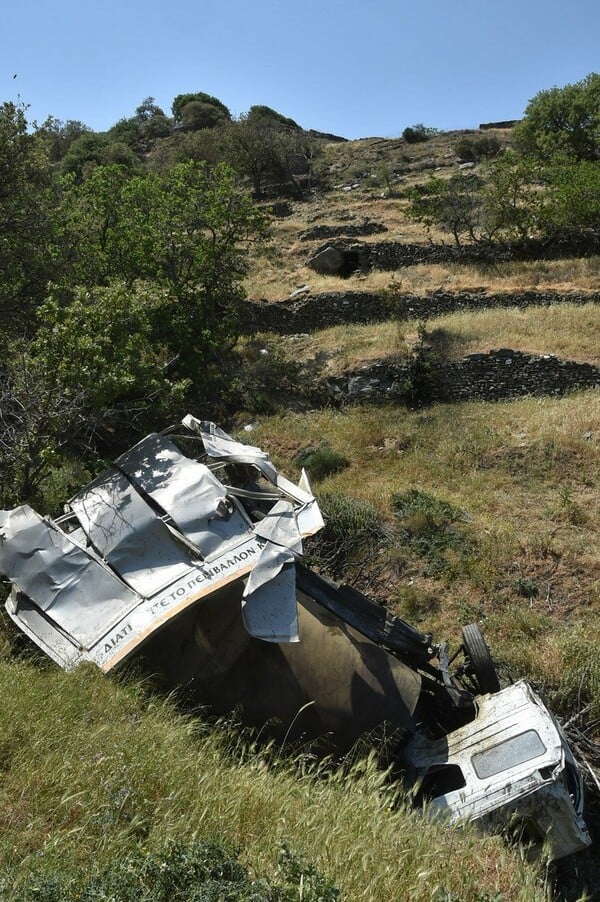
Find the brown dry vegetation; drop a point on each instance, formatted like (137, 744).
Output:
(524, 472)
(368, 181)
(565, 330)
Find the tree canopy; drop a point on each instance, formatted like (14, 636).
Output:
(181, 101)
(563, 121)
(120, 289)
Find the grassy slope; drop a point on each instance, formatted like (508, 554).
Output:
(91, 769)
(524, 473)
(101, 769)
(282, 268)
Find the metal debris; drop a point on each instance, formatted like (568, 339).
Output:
(191, 562)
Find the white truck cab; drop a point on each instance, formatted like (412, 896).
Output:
(510, 767)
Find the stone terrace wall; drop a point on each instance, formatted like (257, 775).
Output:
(498, 375)
(319, 311)
(393, 255)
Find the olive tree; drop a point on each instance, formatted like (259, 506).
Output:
(563, 121)
(452, 205)
(27, 211)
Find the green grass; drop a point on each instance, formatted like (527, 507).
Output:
(523, 476)
(95, 773)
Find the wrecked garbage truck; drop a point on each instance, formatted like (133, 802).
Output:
(186, 555)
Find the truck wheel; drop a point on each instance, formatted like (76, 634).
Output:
(479, 656)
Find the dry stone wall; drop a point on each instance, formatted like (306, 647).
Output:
(500, 374)
(312, 312)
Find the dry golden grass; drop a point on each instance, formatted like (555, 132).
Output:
(275, 275)
(282, 269)
(565, 330)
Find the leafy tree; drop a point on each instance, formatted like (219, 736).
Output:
(182, 100)
(140, 131)
(197, 115)
(265, 112)
(267, 153)
(60, 135)
(571, 208)
(148, 110)
(91, 216)
(86, 151)
(94, 363)
(185, 230)
(27, 211)
(126, 130)
(563, 121)
(511, 197)
(120, 153)
(452, 205)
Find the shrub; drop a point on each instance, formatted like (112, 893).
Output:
(198, 872)
(473, 149)
(414, 134)
(321, 462)
(266, 378)
(352, 531)
(433, 529)
(421, 371)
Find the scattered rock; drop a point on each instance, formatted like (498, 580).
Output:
(299, 292)
(334, 231)
(328, 262)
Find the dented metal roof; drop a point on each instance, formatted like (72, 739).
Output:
(153, 534)
(161, 531)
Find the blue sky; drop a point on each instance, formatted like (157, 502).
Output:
(344, 66)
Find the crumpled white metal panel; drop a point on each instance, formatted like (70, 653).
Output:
(187, 491)
(270, 610)
(129, 534)
(70, 586)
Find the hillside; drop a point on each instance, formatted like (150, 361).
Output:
(521, 552)
(369, 180)
(448, 507)
(523, 469)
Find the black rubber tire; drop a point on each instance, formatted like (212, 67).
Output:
(481, 660)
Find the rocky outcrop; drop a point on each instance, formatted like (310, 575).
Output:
(392, 255)
(336, 260)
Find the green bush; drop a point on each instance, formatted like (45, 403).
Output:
(352, 531)
(321, 462)
(199, 872)
(563, 121)
(266, 378)
(434, 530)
(473, 149)
(414, 134)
